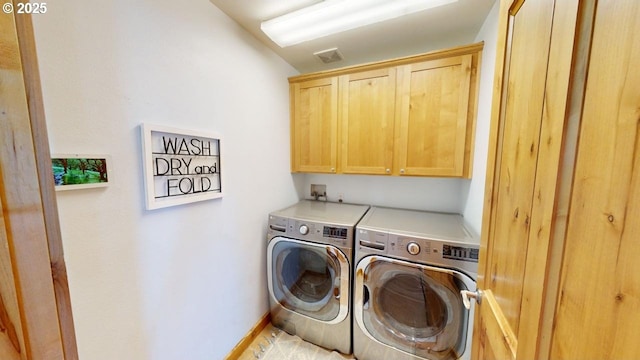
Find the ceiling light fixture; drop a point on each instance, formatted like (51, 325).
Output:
(334, 16)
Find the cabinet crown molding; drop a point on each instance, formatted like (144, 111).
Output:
(431, 55)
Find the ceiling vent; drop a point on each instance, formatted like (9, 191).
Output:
(329, 55)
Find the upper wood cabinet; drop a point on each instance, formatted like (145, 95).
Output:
(435, 122)
(408, 116)
(314, 125)
(367, 118)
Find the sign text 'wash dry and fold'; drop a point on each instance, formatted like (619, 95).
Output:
(186, 165)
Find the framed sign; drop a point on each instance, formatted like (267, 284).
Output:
(180, 166)
(75, 171)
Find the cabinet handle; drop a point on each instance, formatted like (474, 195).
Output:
(401, 171)
(333, 169)
(387, 170)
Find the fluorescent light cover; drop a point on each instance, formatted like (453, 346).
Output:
(334, 16)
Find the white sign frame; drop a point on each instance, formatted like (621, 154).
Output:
(170, 175)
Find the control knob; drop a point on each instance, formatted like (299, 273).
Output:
(304, 229)
(413, 248)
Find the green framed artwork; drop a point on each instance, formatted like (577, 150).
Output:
(76, 171)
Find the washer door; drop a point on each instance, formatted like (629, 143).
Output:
(411, 307)
(309, 279)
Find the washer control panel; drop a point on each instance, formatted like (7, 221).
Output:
(413, 248)
(311, 231)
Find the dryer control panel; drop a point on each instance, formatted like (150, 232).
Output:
(451, 254)
(463, 253)
(437, 252)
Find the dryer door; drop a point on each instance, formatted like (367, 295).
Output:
(411, 307)
(309, 279)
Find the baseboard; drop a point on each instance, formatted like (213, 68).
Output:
(248, 339)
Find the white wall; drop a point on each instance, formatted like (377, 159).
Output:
(473, 190)
(419, 193)
(184, 282)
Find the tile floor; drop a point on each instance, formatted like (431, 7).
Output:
(274, 344)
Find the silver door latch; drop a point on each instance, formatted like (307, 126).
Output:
(468, 295)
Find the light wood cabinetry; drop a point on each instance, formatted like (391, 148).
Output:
(367, 118)
(408, 116)
(314, 126)
(436, 126)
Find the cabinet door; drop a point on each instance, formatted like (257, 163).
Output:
(599, 294)
(434, 117)
(367, 112)
(35, 308)
(314, 125)
(528, 134)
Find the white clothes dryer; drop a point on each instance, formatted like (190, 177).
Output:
(410, 269)
(309, 267)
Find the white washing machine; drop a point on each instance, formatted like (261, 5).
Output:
(410, 269)
(309, 267)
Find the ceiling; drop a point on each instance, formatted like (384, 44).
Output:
(443, 27)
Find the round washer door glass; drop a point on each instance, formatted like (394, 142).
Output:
(415, 308)
(309, 278)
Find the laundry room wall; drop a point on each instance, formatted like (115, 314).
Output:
(472, 191)
(418, 193)
(184, 282)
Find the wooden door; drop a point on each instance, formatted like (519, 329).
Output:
(314, 132)
(367, 117)
(35, 312)
(598, 304)
(535, 55)
(434, 114)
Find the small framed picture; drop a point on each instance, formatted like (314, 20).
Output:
(78, 171)
(180, 166)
